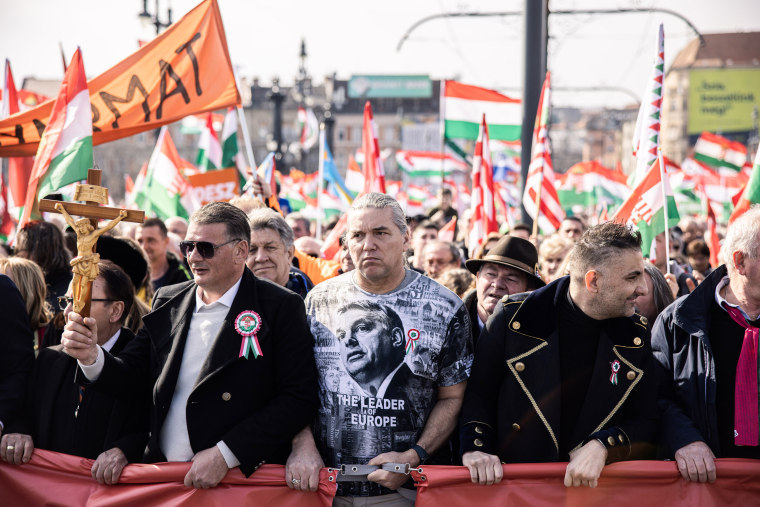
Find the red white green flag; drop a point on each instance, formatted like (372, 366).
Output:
(308, 126)
(19, 168)
(462, 107)
(646, 137)
(231, 154)
(483, 217)
(751, 194)
(646, 207)
(374, 174)
(64, 153)
(427, 164)
(590, 184)
(164, 190)
(717, 151)
(540, 197)
(209, 148)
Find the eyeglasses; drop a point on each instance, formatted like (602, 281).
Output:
(64, 301)
(205, 248)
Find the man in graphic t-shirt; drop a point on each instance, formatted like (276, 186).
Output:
(393, 349)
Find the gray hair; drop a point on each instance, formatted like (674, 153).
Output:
(661, 293)
(224, 213)
(744, 236)
(265, 218)
(380, 201)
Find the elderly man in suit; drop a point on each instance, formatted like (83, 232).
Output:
(63, 416)
(228, 357)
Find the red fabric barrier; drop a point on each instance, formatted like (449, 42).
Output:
(634, 483)
(53, 479)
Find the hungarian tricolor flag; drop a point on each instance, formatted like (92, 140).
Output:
(590, 184)
(751, 194)
(646, 137)
(64, 153)
(646, 207)
(462, 107)
(164, 190)
(428, 164)
(717, 151)
(209, 147)
(308, 126)
(19, 168)
(483, 216)
(540, 197)
(374, 174)
(231, 154)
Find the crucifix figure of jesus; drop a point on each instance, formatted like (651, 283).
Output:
(85, 264)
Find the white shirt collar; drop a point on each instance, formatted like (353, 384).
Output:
(721, 300)
(226, 299)
(111, 341)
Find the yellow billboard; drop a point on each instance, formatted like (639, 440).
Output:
(722, 100)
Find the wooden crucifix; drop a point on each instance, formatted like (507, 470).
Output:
(85, 264)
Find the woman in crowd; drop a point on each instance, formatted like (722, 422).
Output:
(30, 281)
(42, 242)
(659, 296)
(551, 253)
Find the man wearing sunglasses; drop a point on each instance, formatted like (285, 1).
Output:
(213, 404)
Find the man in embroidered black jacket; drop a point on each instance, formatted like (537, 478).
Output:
(566, 372)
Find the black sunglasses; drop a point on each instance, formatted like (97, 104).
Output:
(205, 248)
(64, 301)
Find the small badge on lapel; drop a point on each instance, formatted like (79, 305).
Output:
(615, 366)
(247, 325)
(412, 336)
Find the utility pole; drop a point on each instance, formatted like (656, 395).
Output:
(536, 21)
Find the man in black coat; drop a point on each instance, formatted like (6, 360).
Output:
(228, 357)
(565, 373)
(62, 416)
(709, 400)
(510, 267)
(16, 352)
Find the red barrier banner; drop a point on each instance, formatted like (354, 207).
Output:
(54, 479)
(631, 483)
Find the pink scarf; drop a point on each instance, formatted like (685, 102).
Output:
(746, 429)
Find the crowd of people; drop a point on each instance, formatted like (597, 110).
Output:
(229, 341)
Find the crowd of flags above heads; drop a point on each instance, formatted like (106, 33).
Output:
(715, 181)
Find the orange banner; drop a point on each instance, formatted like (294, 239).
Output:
(52, 479)
(183, 71)
(221, 185)
(630, 483)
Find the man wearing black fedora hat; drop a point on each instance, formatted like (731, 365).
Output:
(566, 372)
(510, 267)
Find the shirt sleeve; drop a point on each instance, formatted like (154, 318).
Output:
(228, 455)
(92, 372)
(456, 352)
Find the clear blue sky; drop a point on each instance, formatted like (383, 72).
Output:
(360, 37)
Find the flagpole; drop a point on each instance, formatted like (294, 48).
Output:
(442, 110)
(246, 138)
(664, 209)
(321, 181)
(538, 203)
